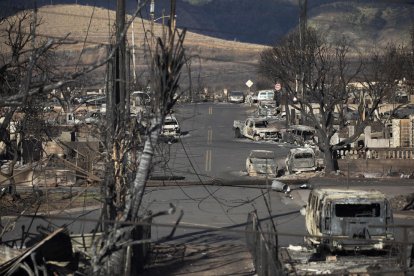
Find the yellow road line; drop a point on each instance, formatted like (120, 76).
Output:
(208, 161)
(209, 136)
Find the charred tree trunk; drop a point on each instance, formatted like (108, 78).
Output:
(329, 159)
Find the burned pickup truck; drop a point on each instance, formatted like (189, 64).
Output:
(256, 129)
(339, 219)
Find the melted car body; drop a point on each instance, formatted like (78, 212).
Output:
(261, 162)
(348, 219)
(301, 160)
(171, 128)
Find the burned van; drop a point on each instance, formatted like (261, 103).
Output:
(301, 160)
(348, 219)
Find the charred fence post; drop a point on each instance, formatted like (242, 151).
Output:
(263, 247)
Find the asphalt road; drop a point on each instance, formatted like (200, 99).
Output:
(212, 214)
(207, 150)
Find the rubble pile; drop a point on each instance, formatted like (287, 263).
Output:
(402, 202)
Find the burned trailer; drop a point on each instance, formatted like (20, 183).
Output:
(339, 219)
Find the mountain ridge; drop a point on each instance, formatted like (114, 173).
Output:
(268, 21)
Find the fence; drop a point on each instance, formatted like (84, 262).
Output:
(376, 153)
(263, 247)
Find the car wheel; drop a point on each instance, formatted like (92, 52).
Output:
(237, 133)
(256, 138)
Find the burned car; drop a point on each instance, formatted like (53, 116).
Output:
(301, 160)
(340, 219)
(299, 135)
(261, 162)
(267, 109)
(171, 129)
(256, 129)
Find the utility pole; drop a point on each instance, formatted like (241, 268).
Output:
(303, 4)
(172, 23)
(134, 74)
(152, 16)
(120, 57)
(115, 112)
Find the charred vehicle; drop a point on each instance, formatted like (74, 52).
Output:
(236, 97)
(256, 129)
(348, 219)
(299, 135)
(267, 109)
(301, 160)
(171, 129)
(261, 162)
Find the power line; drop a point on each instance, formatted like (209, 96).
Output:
(86, 36)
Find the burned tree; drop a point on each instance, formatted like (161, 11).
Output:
(25, 68)
(316, 76)
(129, 165)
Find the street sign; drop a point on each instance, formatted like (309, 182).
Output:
(249, 83)
(278, 86)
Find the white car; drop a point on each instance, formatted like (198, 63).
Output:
(171, 128)
(265, 95)
(236, 97)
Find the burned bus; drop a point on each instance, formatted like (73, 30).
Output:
(340, 219)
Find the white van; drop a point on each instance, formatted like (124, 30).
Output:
(265, 95)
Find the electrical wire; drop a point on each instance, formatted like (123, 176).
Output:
(86, 36)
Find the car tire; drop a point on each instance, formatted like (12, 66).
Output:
(256, 138)
(237, 133)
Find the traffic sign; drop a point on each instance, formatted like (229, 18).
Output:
(278, 86)
(249, 83)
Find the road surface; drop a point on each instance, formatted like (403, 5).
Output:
(208, 150)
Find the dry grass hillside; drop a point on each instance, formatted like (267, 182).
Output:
(215, 63)
(366, 25)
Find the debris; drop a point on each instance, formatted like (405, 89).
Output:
(402, 202)
(331, 258)
(54, 249)
(296, 248)
(280, 187)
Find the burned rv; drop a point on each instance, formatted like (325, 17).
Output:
(339, 219)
